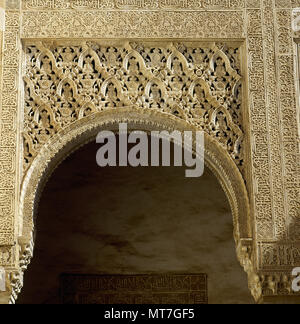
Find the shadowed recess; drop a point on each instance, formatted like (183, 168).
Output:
(127, 220)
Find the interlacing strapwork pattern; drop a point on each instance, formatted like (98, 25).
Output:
(200, 83)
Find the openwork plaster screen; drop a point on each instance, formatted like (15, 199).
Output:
(199, 83)
(226, 67)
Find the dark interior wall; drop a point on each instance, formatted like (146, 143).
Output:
(96, 220)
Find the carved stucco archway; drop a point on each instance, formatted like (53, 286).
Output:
(79, 133)
(270, 97)
(74, 87)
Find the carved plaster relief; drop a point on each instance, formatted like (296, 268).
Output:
(266, 125)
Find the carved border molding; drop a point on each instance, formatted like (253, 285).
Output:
(9, 143)
(275, 152)
(131, 24)
(85, 129)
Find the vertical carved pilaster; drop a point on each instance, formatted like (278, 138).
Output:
(9, 131)
(9, 142)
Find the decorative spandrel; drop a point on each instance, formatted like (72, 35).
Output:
(198, 82)
(134, 289)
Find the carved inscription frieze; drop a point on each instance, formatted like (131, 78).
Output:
(134, 289)
(134, 4)
(278, 256)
